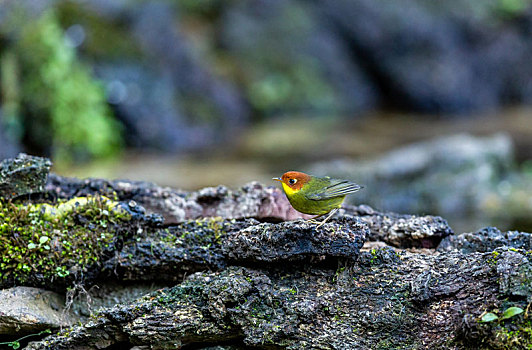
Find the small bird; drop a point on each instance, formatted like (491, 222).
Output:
(315, 195)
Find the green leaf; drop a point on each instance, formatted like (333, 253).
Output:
(43, 239)
(32, 246)
(14, 344)
(511, 312)
(489, 317)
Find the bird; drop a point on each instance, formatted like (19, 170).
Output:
(315, 195)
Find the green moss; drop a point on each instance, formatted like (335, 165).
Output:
(203, 232)
(373, 253)
(492, 261)
(44, 242)
(63, 210)
(514, 335)
(506, 330)
(186, 293)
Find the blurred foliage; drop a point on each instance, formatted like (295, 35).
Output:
(513, 7)
(279, 71)
(107, 39)
(9, 83)
(60, 106)
(205, 8)
(291, 89)
(269, 58)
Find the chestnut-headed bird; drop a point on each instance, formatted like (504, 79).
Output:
(315, 195)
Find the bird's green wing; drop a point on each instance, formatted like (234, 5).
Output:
(334, 188)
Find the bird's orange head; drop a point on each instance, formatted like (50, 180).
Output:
(295, 180)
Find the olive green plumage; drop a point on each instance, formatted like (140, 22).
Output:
(320, 195)
(315, 195)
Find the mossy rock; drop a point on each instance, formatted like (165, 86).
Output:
(23, 175)
(55, 244)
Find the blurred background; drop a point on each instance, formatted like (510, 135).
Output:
(428, 104)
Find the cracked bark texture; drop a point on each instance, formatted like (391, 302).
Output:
(385, 300)
(239, 276)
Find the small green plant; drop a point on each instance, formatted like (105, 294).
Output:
(492, 261)
(338, 273)
(15, 344)
(42, 243)
(508, 313)
(373, 253)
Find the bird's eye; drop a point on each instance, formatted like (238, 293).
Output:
(292, 181)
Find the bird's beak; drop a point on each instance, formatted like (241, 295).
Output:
(277, 179)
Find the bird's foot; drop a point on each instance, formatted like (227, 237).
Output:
(331, 213)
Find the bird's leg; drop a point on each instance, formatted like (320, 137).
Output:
(314, 221)
(328, 217)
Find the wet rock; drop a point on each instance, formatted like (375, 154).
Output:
(403, 231)
(106, 293)
(515, 273)
(25, 310)
(486, 240)
(296, 241)
(167, 255)
(23, 175)
(253, 200)
(171, 204)
(245, 283)
(99, 240)
(55, 245)
(401, 299)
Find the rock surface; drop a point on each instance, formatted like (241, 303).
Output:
(384, 300)
(237, 281)
(253, 200)
(295, 241)
(26, 310)
(402, 231)
(486, 240)
(23, 175)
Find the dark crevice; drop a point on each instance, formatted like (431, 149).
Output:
(120, 346)
(308, 264)
(233, 344)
